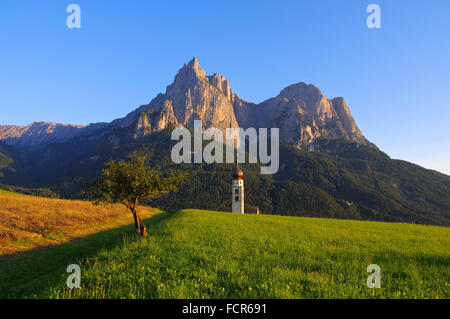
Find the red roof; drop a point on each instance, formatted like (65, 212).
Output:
(237, 172)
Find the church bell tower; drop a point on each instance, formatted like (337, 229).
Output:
(237, 189)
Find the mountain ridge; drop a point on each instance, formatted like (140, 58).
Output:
(301, 112)
(39, 134)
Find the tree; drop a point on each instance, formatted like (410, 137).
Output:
(129, 182)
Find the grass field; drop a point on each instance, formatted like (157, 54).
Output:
(28, 222)
(5, 192)
(201, 254)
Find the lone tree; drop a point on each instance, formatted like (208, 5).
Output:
(129, 182)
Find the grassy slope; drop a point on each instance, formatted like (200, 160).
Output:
(200, 254)
(5, 192)
(28, 221)
(39, 237)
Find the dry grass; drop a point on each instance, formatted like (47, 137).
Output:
(27, 221)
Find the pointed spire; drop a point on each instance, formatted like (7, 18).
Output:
(194, 63)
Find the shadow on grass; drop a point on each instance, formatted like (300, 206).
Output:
(27, 274)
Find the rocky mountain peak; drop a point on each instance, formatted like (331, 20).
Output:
(193, 63)
(302, 91)
(191, 96)
(190, 71)
(311, 95)
(301, 112)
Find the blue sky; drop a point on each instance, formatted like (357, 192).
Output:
(396, 79)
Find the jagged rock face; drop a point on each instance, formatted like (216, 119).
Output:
(155, 120)
(191, 96)
(303, 114)
(300, 111)
(347, 121)
(195, 96)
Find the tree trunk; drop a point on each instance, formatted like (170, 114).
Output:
(139, 225)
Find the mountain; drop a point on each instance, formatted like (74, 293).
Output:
(327, 167)
(301, 112)
(39, 134)
(303, 115)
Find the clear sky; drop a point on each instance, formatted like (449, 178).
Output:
(396, 79)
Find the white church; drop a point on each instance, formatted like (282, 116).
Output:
(237, 194)
(237, 191)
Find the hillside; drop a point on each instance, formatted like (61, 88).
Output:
(204, 254)
(343, 180)
(5, 161)
(28, 222)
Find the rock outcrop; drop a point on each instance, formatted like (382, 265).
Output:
(191, 96)
(304, 114)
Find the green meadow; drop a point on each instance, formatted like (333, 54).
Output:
(205, 254)
(2, 191)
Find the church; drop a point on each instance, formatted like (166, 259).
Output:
(237, 189)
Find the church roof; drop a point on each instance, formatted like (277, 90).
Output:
(237, 172)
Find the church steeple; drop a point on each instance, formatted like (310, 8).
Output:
(237, 191)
